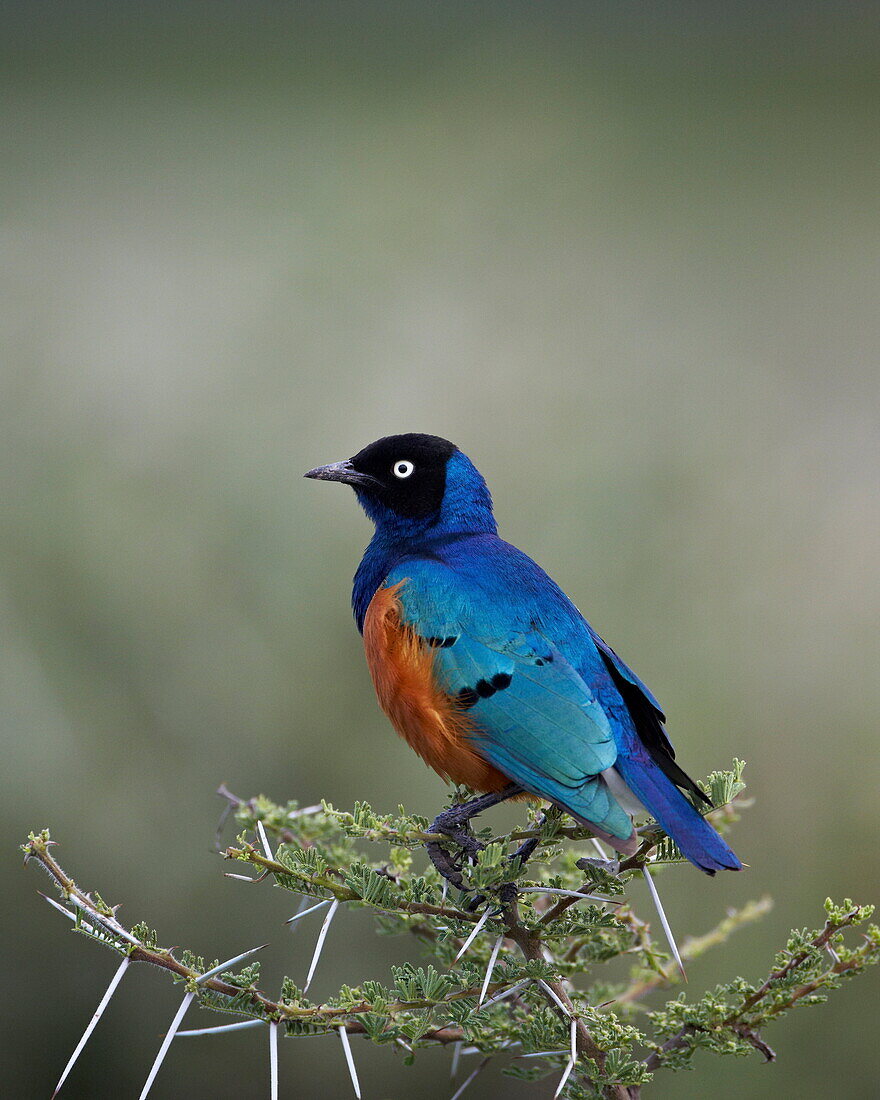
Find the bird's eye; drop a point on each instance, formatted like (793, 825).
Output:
(402, 468)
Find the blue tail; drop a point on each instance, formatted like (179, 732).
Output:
(696, 838)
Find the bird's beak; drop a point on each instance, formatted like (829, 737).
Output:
(344, 472)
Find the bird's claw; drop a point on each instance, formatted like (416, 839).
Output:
(446, 865)
(454, 824)
(507, 895)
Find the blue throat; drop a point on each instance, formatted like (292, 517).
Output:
(466, 510)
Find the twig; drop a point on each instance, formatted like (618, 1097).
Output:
(529, 943)
(694, 947)
(734, 1020)
(246, 1000)
(249, 854)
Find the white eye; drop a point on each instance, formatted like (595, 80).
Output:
(402, 468)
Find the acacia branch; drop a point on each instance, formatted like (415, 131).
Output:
(321, 858)
(747, 1030)
(249, 854)
(693, 947)
(530, 944)
(259, 1006)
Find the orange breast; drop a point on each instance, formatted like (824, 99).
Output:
(431, 721)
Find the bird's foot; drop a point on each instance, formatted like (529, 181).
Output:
(454, 824)
(446, 865)
(457, 816)
(507, 893)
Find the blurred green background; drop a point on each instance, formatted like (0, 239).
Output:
(624, 255)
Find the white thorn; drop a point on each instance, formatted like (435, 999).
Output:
(229, 962)
(670, 939)
(265, 840)
(305, 810)
(566, 894)
(319, 946)
(57, 905)
(343, 1035)
(490, 968)
(444, 892)
(541, 1053)
(305, 912)
(571, 1060)
(507, 992)
(113, 928)
(468, 1080)
(99, 1011)
(456, 1055)
(551, 993)
(108, 924)
(303, 902)
(70, 916)
(273, 1060)
(472, 936)
(238, 1026)
(166, 1043)
(241, 878)
(599, 849)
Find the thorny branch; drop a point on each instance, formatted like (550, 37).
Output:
(738, 1020)
(256, 1003)
(485, 1007)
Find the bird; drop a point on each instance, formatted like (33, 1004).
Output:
(492, 675)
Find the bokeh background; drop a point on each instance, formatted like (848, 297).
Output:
(624, 255)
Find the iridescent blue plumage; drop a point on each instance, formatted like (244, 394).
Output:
(553, 707)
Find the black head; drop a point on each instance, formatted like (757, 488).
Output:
(403, 473)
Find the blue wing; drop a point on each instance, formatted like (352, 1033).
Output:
(624, 671)
(535, 717)
(553, 705)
